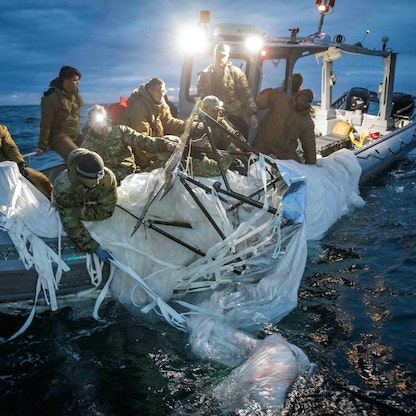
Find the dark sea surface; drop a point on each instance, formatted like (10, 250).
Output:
(356, 319)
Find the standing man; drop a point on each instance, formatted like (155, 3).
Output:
(61, 113)
(86, 191)
(229, 83)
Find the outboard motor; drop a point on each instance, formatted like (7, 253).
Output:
(403, 105)
(358, 99)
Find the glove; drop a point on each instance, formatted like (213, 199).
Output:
(171, 138)
(104, 254)
(23, 169)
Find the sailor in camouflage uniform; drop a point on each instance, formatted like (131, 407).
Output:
(60, 114)
(115, 143)
(86, 191)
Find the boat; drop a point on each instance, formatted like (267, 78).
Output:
(378, 126)
(217, 256)
(377, 138)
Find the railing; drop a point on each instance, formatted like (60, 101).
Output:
(27, 157)
(340, 102)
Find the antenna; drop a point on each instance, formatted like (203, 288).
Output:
(323, 7)
(366, 33)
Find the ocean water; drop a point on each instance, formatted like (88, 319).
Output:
(355, 319)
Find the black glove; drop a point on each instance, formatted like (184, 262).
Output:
(23, 169)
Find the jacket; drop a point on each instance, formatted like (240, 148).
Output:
(60, 113)
(146, 116)
(115, 147)
(232, 88)
(283, 125)
(8, 148)
(76, 202)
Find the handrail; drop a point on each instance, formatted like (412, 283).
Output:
(27, 157)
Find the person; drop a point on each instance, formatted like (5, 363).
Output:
(214, 107)
(10, 151)
(288, 120)
(148, 113)
(297, 81)
(114, 143)
(86, 191)
(60, 114)
(229, 83)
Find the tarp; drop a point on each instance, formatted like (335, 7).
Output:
(244, 269)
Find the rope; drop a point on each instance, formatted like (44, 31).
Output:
(33, 252)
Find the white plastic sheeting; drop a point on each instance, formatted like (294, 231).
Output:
(27, 216)
(258, 261)
(249, 275)
(331, 189)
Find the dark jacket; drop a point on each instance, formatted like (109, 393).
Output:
(146, 116)
(60, 113)
(8, 148)
(283, 126)
(231, 87)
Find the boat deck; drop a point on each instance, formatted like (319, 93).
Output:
(332, 142)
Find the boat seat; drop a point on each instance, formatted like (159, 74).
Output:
(325, 145)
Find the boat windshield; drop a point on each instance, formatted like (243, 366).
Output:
(273, 73)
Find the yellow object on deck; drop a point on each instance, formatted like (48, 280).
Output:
(342, 128)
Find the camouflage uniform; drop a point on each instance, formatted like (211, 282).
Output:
(154, 119)
(221, 138)
(60, 120)
(279, 132)
(231, 87)
(76, 202)
(207, 167)
(115, 147)
(10, 151)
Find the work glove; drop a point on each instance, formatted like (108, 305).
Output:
(104, 254)
(171, 138)
(23, 169)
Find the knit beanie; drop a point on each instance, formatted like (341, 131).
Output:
(90, 165)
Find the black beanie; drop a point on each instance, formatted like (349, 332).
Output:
(90, 165)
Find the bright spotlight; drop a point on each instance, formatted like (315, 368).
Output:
(254, 43)
(193, 40)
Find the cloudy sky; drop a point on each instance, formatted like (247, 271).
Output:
(118, 45)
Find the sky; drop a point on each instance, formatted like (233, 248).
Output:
(118, 45)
